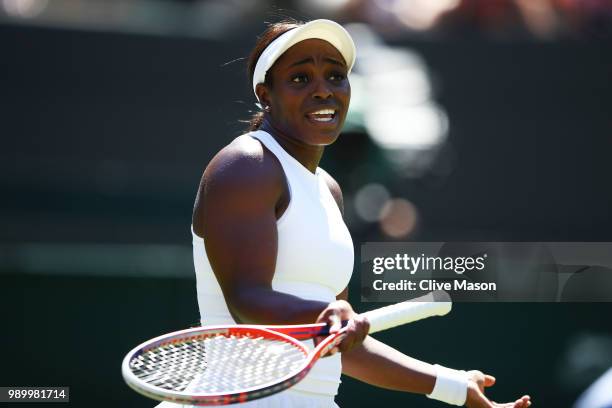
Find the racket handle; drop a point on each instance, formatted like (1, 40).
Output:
(436, 303)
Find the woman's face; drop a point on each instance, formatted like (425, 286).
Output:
(310, 92)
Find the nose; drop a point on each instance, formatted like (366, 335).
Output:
(322, 90)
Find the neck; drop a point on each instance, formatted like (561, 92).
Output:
(307, 155)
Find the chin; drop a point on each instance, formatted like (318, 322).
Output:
(322, 135)
(320, 138)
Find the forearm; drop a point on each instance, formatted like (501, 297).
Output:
(261, 305)
(378, 364)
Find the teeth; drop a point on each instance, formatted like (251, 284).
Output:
(323, 119)
(324, 112)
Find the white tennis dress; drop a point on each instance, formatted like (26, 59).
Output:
(314, 261)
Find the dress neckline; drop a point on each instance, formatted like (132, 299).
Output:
(289, 157)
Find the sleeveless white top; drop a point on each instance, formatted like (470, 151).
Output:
(314, 260)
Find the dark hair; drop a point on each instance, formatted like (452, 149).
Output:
(273, 31)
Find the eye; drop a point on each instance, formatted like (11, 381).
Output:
(337, 77)
(299, 79)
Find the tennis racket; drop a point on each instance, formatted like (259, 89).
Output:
(218, 365)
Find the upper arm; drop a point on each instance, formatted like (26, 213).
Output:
(235, 214)
(343, 295)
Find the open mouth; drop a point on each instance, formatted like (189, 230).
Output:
(322, 115)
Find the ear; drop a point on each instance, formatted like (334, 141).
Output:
(263, 94)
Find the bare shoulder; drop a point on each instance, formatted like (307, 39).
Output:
(241, 162)
(242, 177)
(335, 189)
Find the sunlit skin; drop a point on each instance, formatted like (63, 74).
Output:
(310, 76)
(242, 194)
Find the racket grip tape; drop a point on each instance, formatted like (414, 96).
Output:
(436, 303)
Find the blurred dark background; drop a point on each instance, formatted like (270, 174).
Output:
(470, 121)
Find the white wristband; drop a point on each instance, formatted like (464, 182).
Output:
(451, 386)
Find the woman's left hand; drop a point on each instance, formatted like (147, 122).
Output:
(477, 399)
(357, 326)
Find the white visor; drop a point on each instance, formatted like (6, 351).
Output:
(327, 30)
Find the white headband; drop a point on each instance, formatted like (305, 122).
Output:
(327, 30)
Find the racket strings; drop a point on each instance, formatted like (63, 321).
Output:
(217, 364)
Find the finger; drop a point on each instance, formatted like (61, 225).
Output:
(525, 399)
(506, 404)
(349, 337)
(356, 331)
(519, 403)
(489, 380)
(335, 323)
(337, 346)
(363, 326)
(522, 402)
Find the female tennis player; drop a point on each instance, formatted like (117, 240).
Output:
(269, 242)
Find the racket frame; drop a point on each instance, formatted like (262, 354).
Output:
(298, 332)
(381, 319)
